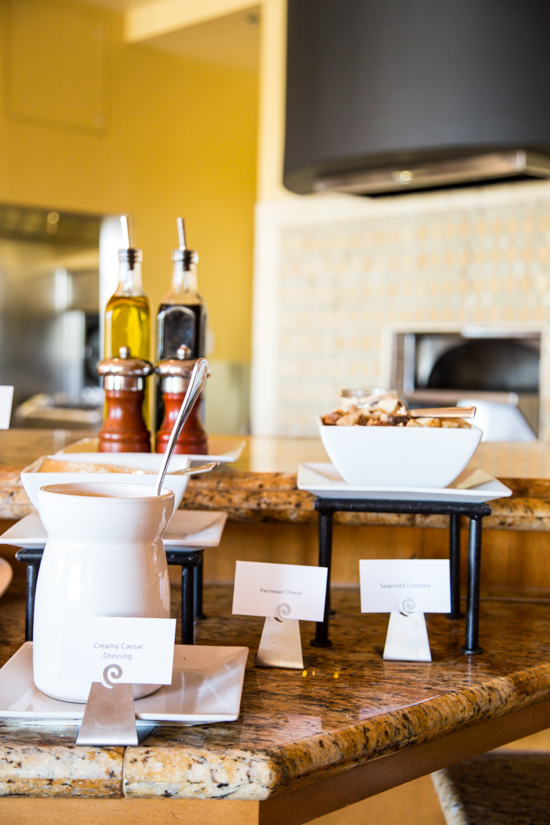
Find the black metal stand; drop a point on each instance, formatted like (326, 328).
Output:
(326, 507)
(32, 559)
(325, 560)
(197, 590)
(188, 560)
(454, 559)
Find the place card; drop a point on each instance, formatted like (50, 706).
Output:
(6, 400)
(405, 585)
(143, 649)
(284, 594)
(280, 590)
(407, 638)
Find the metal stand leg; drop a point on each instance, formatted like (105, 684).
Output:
(325, 559)
(32, 559)
(471, 645)
(187, 623)
(32, 578)
(454, 558)
(197, 588)
(188, 560)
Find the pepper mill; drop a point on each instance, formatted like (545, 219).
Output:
(174, 379)
(124, 429)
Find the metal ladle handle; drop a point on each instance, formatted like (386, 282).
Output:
(196, 383)
(444, 412)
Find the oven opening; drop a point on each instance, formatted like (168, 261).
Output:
(498, 371)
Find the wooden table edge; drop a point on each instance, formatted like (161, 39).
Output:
(339, 790)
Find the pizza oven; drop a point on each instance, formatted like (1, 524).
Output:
(497, 369)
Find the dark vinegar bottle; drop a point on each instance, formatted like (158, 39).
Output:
(178, 326)
(182, 315)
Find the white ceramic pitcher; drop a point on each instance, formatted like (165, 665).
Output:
(104, 557)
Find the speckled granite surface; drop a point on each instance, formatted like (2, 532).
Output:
(348, 707)
(261, 485)
(510, 788)
(43, 761)
(58, 770)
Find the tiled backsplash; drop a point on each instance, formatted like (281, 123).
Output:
(336, 275)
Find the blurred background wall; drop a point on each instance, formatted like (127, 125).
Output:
(92, 124)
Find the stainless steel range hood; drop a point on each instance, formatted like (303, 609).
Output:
(436, 174)
(393, 96)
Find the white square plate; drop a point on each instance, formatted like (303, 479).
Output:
(195, 529)
(224, 450)
(206, 687)
(324, 481)
(144, 474)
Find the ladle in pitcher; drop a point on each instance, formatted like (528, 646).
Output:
(196, 383)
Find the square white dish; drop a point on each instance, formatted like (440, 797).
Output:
(187, 528)
(33, 478)
(224, 450)
(324, 481)
(206, 687)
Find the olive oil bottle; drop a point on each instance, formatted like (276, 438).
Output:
(127, 315)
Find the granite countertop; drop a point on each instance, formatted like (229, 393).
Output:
(261, 485)
(347, 708)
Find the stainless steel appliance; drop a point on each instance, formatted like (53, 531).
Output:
(49, 315)
(391, 96)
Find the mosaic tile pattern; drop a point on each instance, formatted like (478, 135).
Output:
(343, 283)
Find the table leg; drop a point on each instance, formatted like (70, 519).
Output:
(325, 559)
(197, 588)
(471, 645)
(454, 559)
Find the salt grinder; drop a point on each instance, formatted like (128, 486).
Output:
(174, 379)
(124, 429)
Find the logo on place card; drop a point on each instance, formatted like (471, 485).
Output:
(405, 585)
(283, 591)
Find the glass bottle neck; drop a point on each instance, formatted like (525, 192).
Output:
(184, 284)
(129, 280)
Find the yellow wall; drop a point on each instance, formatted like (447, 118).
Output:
(271, 116)
(180, 139)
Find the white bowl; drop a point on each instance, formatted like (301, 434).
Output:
(33, 479)
(399, 456)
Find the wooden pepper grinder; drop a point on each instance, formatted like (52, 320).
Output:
(174, 379)
(124, 429)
